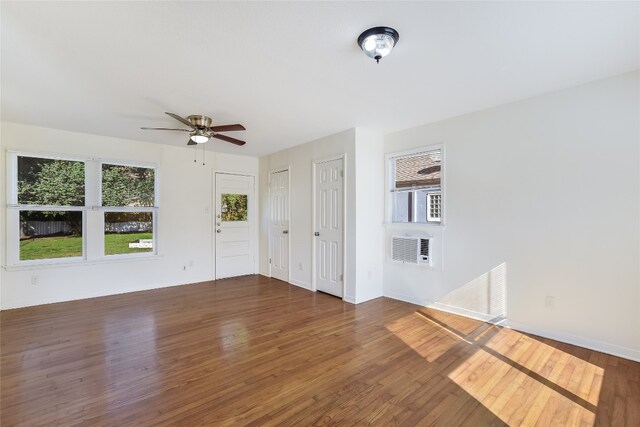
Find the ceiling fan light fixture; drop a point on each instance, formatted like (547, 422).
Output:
(377, 42)
(199, 138)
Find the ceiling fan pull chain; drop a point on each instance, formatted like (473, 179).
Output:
(195, 154)
(202, 154)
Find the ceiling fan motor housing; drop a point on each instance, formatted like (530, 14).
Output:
(200, 121)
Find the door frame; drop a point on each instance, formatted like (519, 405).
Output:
(288, 170)
(253, 213)
(314, 163)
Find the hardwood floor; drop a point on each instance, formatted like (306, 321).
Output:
(256, 351)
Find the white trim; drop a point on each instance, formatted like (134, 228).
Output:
(597, 345)
(48, 155)
(388, 202)
(49, 208)
(592, 344)
(253, 213)
(466, 313)
(92, 236)
(110, 259)
(300, 284)
(314, 163)
(406, 298)
(349, 299)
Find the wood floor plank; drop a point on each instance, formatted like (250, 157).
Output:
(257, 351)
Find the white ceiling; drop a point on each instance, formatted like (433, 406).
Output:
(292, 72)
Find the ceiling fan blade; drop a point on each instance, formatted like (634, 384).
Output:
(180, 119)
(229, 139)
(226, 128)
(191, 142)
(183, 130)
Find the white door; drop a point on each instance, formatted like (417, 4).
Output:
(329, 226)
(279, 224)
(234, 224)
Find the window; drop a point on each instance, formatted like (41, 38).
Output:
(64, 209)
(128, 196)
(415, 182)
(234, 207)
(50, 197)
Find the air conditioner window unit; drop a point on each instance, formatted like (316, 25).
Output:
(410, 249)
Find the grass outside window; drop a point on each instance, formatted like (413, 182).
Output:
(71, 246)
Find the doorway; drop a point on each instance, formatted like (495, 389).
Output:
(329, 226)
(279, 224)
(234, 225)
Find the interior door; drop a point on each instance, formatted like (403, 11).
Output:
(329, 226)
(234, 225)
(279, 224)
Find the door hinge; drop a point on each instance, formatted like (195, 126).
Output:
(341, 278)
(341, 174)
(269, 260)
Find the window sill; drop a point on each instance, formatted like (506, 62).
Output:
(111, 259)
(416, 225)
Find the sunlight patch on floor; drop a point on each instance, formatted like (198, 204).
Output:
(424, 336)
(524, 381)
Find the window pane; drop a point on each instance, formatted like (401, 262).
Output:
(128, 232)
(419, 171)
(401, 200)
(421, 209)
(234, 207)
(127, 186)
(50, 182)
(435, 207)
(45, 235)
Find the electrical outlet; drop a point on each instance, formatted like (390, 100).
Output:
(549, 302)
(35, 279)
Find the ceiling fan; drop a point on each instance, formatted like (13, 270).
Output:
(201, 129)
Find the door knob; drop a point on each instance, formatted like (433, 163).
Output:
(285, 231)
(316, 234)
(218, 231)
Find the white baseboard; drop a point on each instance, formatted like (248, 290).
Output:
(406, 298)
(597, 345)
(264, 273)
(303, 285)
(349, 299)
(464, 312)
(368, 298)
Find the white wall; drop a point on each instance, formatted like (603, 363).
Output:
(299, 160)
(550, 187)
(185, 219)
(364, 176)
(369, 236)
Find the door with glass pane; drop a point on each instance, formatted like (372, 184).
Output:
(234, 222)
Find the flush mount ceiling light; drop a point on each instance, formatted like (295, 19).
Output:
(377, 42)
(199, 137)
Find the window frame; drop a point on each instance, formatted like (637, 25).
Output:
(429, 202)
(390, 159)
(92, 211)
(153, 209)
